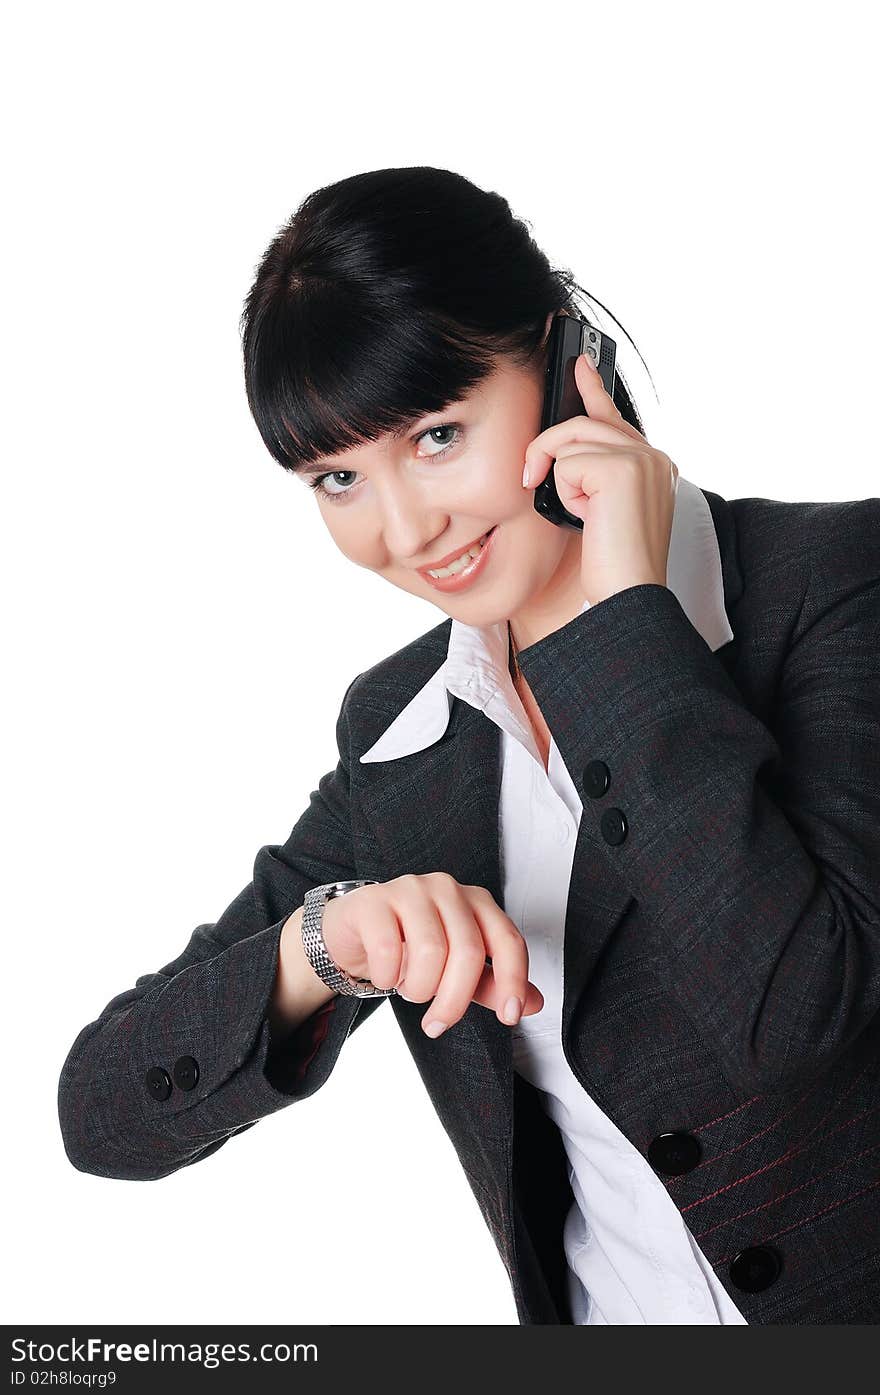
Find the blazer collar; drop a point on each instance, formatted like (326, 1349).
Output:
(702, 572)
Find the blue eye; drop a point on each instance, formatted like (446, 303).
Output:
(335, 495)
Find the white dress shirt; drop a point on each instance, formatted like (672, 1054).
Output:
(631, 1258)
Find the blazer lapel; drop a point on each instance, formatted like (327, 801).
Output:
(437, 809)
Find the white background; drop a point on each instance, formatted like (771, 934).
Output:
(704, 170)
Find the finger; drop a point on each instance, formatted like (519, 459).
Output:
(510, 958)
(575, 433)
(598, 402)
(578, 470)
(383, 946)
(465, 964)
(425, 946)
(486, 993)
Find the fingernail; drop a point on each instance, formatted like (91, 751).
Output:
(526, 476)
(433, 1029)
(512, 1009)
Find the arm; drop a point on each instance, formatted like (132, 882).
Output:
(261, 1036)
(756, 857)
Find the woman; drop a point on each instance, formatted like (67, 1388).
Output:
(613, 825)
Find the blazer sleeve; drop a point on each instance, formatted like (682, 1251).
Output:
(755, 854)
(202, 1019)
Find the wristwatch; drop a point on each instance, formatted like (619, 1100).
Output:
(316, 950)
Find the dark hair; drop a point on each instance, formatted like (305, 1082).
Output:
(387, 296)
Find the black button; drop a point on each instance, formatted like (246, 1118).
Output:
(613, 826)
(186, 1072)
(597, 778)
(674, 1153)
(158, 1083)
(755, 1268)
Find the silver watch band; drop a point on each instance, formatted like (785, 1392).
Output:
(316, 950)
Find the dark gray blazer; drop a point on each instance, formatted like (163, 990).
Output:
(722, 934)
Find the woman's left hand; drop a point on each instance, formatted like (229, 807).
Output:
(624, 490)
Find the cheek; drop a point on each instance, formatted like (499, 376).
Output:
(359, 538)
(496, 482)
(350, 540)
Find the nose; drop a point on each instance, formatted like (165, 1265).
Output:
(408, 520)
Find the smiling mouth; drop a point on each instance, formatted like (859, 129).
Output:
(459, 563)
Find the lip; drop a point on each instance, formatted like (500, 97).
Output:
(464, 578)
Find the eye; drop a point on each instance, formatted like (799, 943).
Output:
(433, 432)
(318, 483)
(320, 487)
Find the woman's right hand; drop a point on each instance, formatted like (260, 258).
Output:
(429, 937)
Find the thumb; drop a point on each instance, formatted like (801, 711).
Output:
(591, 388)
(598, 403)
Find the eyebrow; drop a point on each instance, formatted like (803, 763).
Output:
(399, 435)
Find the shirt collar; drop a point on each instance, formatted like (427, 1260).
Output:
(477, 656)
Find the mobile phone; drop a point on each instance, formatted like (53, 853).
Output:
(569, 337)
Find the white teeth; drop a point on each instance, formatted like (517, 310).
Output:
(461, 562)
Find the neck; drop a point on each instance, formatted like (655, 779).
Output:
(557, 602)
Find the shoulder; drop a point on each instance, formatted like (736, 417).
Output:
(831, 539)
(803, 563)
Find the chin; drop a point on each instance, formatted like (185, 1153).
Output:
(497, 613)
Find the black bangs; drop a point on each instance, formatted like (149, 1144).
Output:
(317, 394)
(388, 296)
